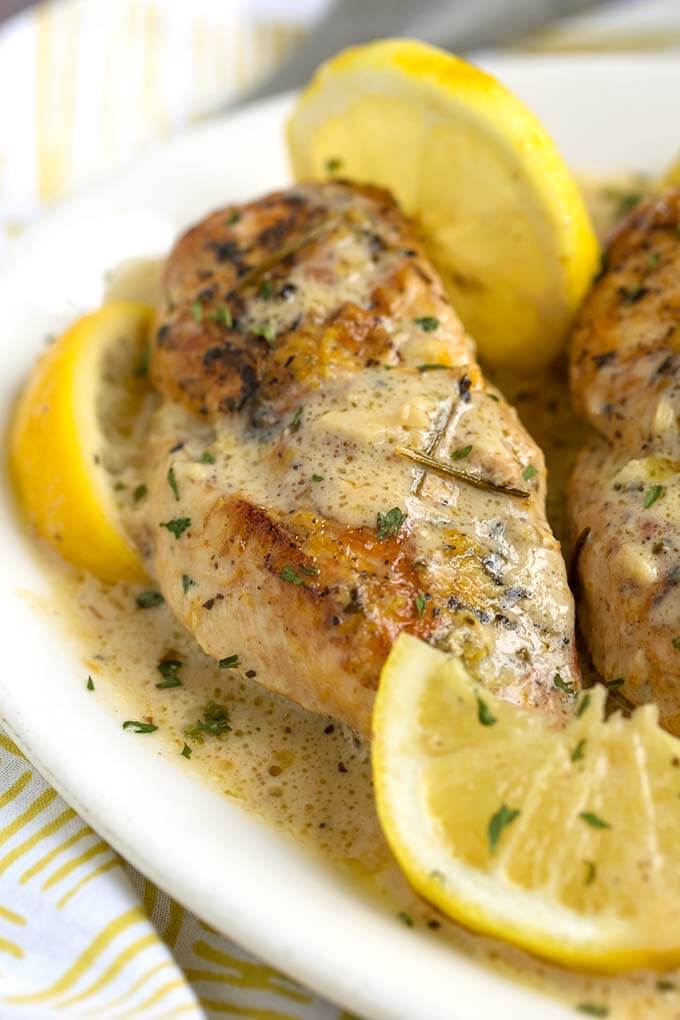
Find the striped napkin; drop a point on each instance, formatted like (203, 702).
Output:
(92, 82)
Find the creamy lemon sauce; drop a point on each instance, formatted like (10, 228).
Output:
(304, 773)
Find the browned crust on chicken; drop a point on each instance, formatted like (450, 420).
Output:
(625, 373)
(309, 328)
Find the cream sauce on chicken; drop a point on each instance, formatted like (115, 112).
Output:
(303, 773)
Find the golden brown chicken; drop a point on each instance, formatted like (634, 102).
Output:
(306, 355)
(625, 491)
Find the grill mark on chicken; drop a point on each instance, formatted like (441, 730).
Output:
(625, 489)
(302, 364)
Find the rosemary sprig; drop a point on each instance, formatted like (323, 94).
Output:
(478, 481)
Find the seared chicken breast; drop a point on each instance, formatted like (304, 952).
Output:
(625, 491)
(329, 467)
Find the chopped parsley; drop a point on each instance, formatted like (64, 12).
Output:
(651, 496)
(168, 669)
(529, 472)
(388, 524)
(590, 818)
(484, 714)
(563, 685)
(187, 582)
(317, 478)
(591, 872)
(504, 817)
(296, 420)
(579, 750)
(178, 525)
(663, 985)
(428, 323)
(90, 683)
(420, 604)
(593, 1009)
(119, 487)
(139, 493)
(265, 330)
(405, 918)
(616, 682)
(676, 643)
(291, 575)
(139, 727)
(333, 164)
(265, 290)
(461, 453)
(214, 721)
(149, 599)
(186, 751)
(234, 217)
(431, 367)
(627, 201)
(654, 258)
(197, 311)
(229, 662)
(207, 457)
(223, 315)
(172, 482)
(583, 705)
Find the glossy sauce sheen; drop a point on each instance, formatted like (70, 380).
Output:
(304, 773)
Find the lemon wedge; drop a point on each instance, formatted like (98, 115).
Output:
(502, 217)
(563, 842)
(67, 436)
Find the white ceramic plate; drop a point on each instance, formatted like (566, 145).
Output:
(607, 114)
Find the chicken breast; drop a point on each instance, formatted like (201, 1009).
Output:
(625, 492)
(321, 403)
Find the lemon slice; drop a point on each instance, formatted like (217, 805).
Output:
(69, 433)
(562, 842)
(502, 217)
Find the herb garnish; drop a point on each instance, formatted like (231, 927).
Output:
(476, 480)
(90, 683)
(616, 682)
(461, 453)
(420, 604)
(431, 367)
(428, 323)
(388, 524)
(651, 496)
(142, 366)
(234, 217)
(197, 311)
(229, 662)
(579, 750)
(405, 918)
(663, 985)
(214, 721)
(593, 1009)
(297, 418)
(317, 478)
(149, 599)
(333, 164)
(591, 872)
(500, 820)
(139, 493)
(265, 290)
(168, 670)
(187, 582)
(484, 714)
(139, 727)
(207, 457)
(563, 685)
(291, 575)
(223, 315)
(172, 482)
(583, 705)
(676, 643)
(265, 330)
(186, 751)
(633, 294)
(529, 472)
(178, 525)
(594, 820)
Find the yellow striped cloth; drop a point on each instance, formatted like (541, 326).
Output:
(91, 82)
